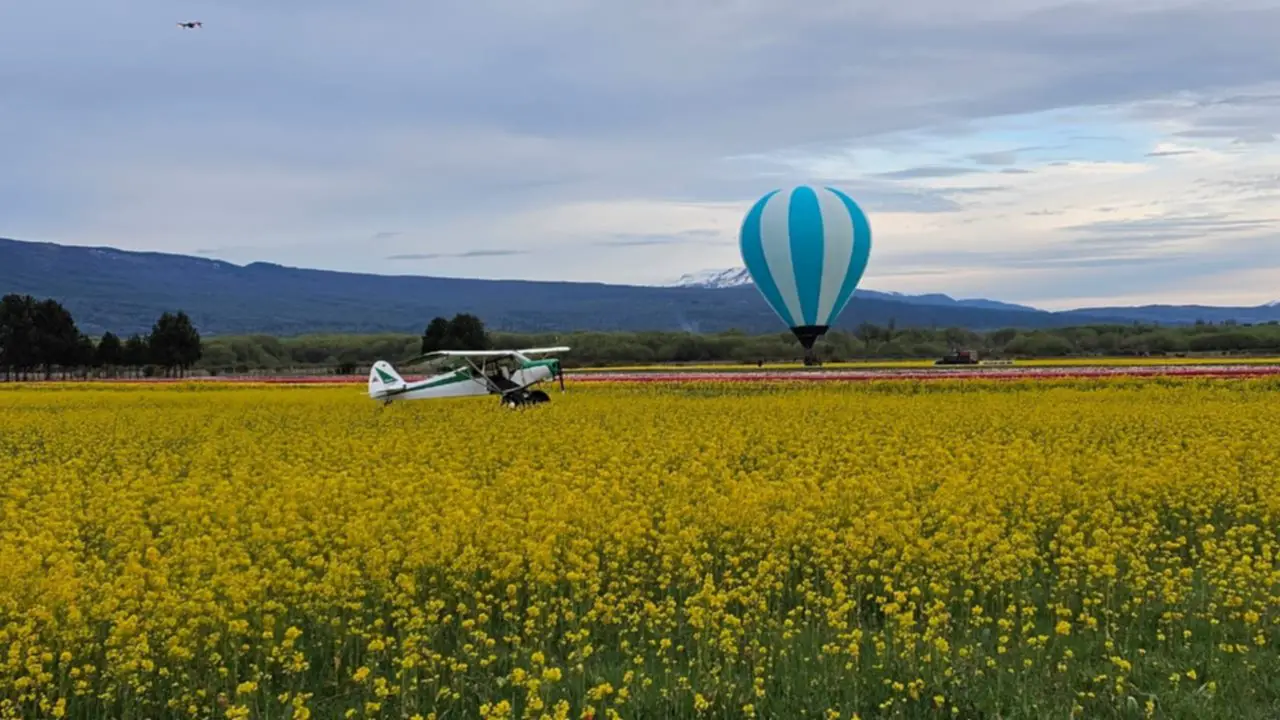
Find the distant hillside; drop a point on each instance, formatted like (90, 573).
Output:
(109, 289)
(736, 277)
(1187, 314)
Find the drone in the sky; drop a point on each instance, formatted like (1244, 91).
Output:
(190, 25)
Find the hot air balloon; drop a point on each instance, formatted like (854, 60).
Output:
(806, 249)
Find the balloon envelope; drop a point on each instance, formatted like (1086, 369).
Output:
(806, 249)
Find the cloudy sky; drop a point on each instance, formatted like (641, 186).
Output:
(1062, 154)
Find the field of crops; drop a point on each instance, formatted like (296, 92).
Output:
(1049, 548)
(1066, 362)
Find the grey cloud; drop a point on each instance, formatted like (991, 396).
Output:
(1003, 157)
(877, 194)
(1072, 269)
(1244, 118)
(1245, 100)
(1233, 252)
(935, 171)
(288, 123)
(1255, 138)
(1107, 244)
(1214, 132)
(1169, 153)
(1159, 238)
(524, 74)
(1027, 261)
(1199, 224)
(1260, 182)
(467, 254)
(905, 200)
(1149, 240)
(976, 190)
(689, 237)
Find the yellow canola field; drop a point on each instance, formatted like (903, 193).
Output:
(1154, 361)
(1102, 548)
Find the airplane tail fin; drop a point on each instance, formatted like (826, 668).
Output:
(383, 379)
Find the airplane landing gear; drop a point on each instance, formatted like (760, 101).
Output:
(524, 398)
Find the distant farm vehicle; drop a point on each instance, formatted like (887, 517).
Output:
(959, 357)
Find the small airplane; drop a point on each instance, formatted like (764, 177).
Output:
(507, 373)
(190, 25)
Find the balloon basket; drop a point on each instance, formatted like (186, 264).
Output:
(808, 335)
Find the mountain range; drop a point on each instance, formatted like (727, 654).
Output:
(736, 277)
(125, 291)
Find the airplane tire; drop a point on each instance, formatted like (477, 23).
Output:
(538, 397)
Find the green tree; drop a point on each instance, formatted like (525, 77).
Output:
(469, 332)
(463, 332)
(174, 343)
(869, 333)
(56, 337)
(436, 337)
(1039, 345)
(137, 353)
(17, 335)
(1000, 338)
(85, 355)
(110, 353)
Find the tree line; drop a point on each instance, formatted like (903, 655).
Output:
(354, 353)
(39, 339)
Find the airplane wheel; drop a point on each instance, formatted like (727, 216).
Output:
(538, 397)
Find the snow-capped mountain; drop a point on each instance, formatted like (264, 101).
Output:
(733, 277)
(736, 277)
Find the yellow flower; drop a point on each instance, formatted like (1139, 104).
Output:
(203, 547)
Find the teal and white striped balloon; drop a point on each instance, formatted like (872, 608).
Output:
(806, 249)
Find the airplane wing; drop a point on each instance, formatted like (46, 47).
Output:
(494, 353)
(470, 353)
(440, 355)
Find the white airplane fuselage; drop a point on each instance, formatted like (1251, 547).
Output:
(387, 386)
